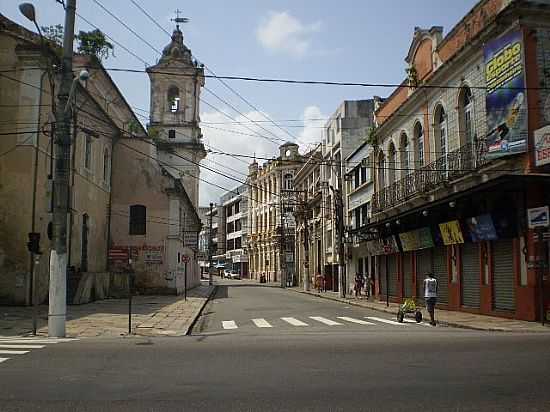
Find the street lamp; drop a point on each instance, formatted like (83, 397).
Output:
(27, 10)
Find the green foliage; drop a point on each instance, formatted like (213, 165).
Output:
(94, 43)
(372, 138)
(412, 76)
(133, 127)
(53, 34)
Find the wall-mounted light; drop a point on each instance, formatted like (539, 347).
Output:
(452, 204)
(397, 222)
(388, 225)
(425, 213)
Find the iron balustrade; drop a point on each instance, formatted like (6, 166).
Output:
(451, 166)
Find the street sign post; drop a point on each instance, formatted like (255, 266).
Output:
(185, 259)
(538, 219)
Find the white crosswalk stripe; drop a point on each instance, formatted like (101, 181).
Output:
(389, 322)
(325, 320)
(353, 320)
(22, 346)
(294, 322)
(229, 324)
(13, 352)
(261, 323)
(13, 346)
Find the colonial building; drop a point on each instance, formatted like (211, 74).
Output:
(456, 165)
(270, 215)
(346, 129)
(176, 83)
(308, 240)
(26, 168)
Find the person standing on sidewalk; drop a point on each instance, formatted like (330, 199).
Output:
(430, 294)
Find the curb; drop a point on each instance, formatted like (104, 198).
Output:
(440, 323)
(191, 325)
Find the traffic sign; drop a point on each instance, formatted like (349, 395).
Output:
(538, 217)
(185, 259)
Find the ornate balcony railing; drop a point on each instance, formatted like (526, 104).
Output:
(447, 168)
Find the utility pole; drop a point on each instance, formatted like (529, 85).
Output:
(282, 243)
(210, 245)
(57, 312)
(306, 244)
(339, 201)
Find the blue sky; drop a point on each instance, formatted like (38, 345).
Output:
(356, 41)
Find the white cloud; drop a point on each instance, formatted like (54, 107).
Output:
(282, 32)
(222, 135)
(312, 133)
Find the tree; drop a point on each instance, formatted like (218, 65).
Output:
(53, 34)
(94, 43)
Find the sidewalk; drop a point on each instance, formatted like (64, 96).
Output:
(443, 317)
(151, 316)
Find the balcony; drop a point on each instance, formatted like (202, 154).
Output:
(452, 166)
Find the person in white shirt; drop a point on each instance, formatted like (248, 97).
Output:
(430, 294)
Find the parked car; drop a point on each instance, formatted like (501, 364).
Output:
(234, 275)
(227, 273)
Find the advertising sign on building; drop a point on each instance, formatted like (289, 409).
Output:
(451, 234)
(481, 228)
(191, 239)
(506, 100)
(542, 146)
(416, 239)
(538, 217)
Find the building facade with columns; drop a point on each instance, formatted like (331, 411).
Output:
(270, 215)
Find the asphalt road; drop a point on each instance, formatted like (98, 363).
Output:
(330, 367)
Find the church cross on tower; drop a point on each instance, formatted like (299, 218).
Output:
(179, 19)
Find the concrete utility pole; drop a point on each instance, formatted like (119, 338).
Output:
(306, 244)
(339, 201)
(210, 245)
(282, 243)
(58, 261)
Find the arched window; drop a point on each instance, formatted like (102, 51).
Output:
(391, 164)
(138, 220)
(381, 171)
(106, 165)
(440, 128)
(466, 116)
(288, 181)
(419, 140)
(174, 99)
(404, 150)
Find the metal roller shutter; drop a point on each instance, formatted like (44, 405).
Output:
(407, 275)
(392, 274)
(440, 273)
(470, 275)
(503, 276)
(382, 273)
(423, 265)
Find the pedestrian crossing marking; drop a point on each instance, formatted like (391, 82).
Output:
(13, 352)
(325, 320)
(353, 320)
(390, 322)
(3, 359)
(294, 322)
(229, 324)
(262, 323)
(22, 346)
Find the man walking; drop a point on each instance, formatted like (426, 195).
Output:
(430, 294)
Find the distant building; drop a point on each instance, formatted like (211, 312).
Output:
(271, 215)
(234, 206)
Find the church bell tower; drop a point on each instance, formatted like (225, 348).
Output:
(176, 82)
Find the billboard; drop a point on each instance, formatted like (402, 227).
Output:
(542, 146)
(506, 99)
